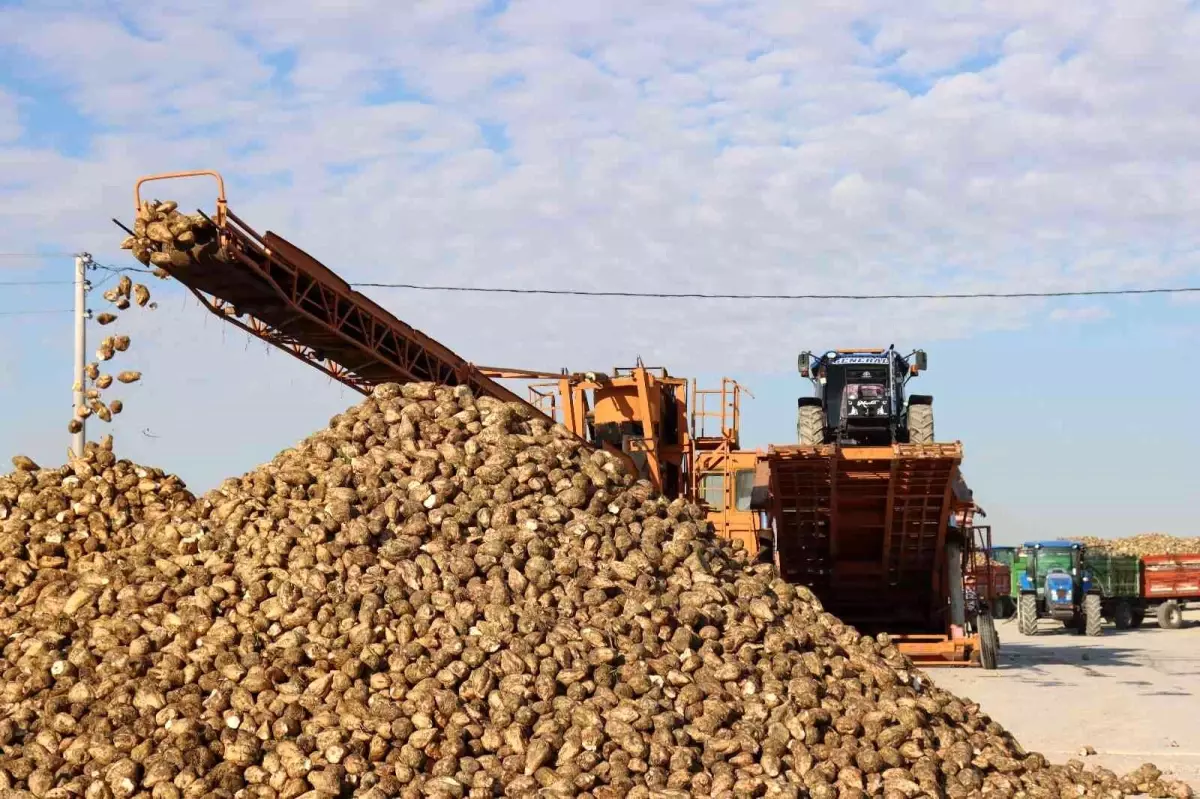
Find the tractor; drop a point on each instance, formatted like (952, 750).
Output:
(1056, 584)
(859, 399)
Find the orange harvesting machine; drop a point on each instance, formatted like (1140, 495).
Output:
(866, 509)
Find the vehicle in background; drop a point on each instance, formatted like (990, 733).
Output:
(1055, 585)
(994, 571)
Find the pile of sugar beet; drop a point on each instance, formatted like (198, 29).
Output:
(441, 596)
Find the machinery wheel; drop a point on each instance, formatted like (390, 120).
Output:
(1170, 617)
(920, 424)
(1093, 619)
(1139, 616)
(1027, 614)
(989, 642)
(1123, 614)
(810, 425)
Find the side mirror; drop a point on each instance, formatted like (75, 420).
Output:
(804, 363)
(921, 361)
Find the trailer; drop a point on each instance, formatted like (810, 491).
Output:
(998, 575)
(1007, 605)
(1132, 588)
(1117, 580)
(1168, 584)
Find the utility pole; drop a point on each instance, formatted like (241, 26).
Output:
(82, 314)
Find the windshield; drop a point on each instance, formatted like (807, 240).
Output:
(1049, 560)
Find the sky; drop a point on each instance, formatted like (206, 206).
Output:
(757, 146)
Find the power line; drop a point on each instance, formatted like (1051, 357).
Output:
(36, 255)
(1000, 295)
(36, 313)
(34, 282)
(120, 269)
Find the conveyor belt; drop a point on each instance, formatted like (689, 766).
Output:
(275, 291)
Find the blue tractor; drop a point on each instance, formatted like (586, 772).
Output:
(1055, 584)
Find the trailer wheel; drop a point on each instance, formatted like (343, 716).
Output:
(1123, 614)
(1139, 616)
(920, 424)
(1170, 617)
(989, 641)
(1027, 614)
(810, 425)
(1093, 620)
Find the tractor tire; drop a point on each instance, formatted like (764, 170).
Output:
(989, 642)
(1170, 617)
(1093, 617)
(1027, 614)
(810, 425)
(1139, 616)
(1123, 614)
(920, 424)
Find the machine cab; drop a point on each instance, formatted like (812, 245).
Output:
(861, 392)
(1052, 569)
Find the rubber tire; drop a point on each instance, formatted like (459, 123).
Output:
(1139, 616)
(1123, 615)
(810, 425)
(920, 424)
(989, 642)
(1093, 616)
(1027, 614)
(1170, 617)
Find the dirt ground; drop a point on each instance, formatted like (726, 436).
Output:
(1132, 695)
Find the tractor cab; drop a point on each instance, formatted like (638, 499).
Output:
(1052, 562)
(859, 398)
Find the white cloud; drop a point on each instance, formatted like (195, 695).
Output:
(1090, 313)
(764, 146)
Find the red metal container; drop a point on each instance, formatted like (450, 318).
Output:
(1001, 579)
(1171, 577)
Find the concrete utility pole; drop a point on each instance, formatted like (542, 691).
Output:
(82, 314)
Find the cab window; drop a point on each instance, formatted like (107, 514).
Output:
(712, 490)
(743, 486)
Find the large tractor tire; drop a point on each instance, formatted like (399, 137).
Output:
(920, 424)
(989, 642)
(810, 425)
(1093, 618)
(1170, 617)
(1027, 614)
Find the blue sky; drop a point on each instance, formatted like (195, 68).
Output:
(726, 146)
